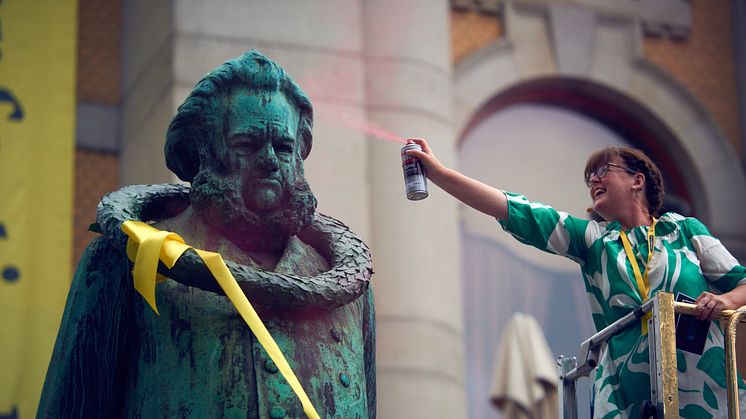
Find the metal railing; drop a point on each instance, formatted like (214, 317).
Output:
(664, 396)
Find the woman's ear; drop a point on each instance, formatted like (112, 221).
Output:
(638, 181)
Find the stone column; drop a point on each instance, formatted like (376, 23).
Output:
(739, 39)
(416, 249)
(147, 91)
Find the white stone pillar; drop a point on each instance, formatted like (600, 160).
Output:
(147, 84)
(416, 251)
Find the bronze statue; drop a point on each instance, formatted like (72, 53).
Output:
(240, 139)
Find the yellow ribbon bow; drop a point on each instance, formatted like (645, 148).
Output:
(147, 245)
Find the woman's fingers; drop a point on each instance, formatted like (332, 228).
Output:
(717, 305)
(703, 305)
(426, 156)
(419, 154)
(709, 312)
(709, 306)
(422, 143)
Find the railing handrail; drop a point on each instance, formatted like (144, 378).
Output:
(569, 372)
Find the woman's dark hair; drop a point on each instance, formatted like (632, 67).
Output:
(638, 162)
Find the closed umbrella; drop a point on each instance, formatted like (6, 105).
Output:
(524, 383)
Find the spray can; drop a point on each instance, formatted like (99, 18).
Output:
(415, 181)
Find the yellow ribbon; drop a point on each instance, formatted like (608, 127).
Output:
(643, 284)
(147, 245)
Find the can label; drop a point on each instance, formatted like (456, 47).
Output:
(415, 181)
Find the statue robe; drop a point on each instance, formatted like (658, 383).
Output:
(114, 357)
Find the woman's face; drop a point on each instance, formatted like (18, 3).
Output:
(611, 189)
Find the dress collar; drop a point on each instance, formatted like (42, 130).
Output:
(665, 225)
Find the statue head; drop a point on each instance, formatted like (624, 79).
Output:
(240, 138)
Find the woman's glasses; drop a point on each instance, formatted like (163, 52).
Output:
(602, 170)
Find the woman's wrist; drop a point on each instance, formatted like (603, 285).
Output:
(730, 302)
(437, 173)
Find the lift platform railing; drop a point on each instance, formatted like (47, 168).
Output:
(664, 396)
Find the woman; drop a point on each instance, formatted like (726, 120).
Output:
(627, 191)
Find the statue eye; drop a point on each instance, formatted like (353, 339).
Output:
(283, 148)
(244, 144)
(244, 148)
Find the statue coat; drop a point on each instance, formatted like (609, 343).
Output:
(115, 357)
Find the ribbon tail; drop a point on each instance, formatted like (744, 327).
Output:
(146, 266)
(228, 283)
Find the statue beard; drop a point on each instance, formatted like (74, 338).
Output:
(218, 200)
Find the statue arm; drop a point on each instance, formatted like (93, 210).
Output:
(81, 380)
(329, 289)
(347, 279)
(348, 256)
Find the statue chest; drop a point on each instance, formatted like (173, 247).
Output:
(199, 359)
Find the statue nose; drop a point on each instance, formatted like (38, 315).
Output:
(268, 159)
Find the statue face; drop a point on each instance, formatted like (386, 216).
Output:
(261, 136)
(258, 195)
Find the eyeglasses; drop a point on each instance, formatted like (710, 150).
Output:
(602, 170)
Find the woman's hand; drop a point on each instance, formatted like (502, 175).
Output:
(709, 305)
(433, 167)
(470, 191)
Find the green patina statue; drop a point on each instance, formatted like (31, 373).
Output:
(240, 139)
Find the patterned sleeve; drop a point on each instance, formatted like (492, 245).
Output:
(545, 228)
(718, 266)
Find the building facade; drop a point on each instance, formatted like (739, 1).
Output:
(468, 75)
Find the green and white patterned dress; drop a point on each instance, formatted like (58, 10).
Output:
(686, 259)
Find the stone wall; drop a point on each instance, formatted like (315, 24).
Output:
(702, 60)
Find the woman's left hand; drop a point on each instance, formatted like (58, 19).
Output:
(709, 305)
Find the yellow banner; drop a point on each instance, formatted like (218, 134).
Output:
(37, 113)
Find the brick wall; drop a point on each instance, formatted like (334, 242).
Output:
(471, 31)
(99, 63)
(96, 173)
(704, 63)
(99, 51)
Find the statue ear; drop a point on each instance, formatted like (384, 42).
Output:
(181, 157)
(306, 138)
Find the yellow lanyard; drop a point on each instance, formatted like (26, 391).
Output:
(147, 245)
(643, 284)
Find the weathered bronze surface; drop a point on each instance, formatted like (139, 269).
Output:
(240, 139)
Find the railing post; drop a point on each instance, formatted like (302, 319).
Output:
(731, 369)
(568, 402)
(656, 386)
(664, 378)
